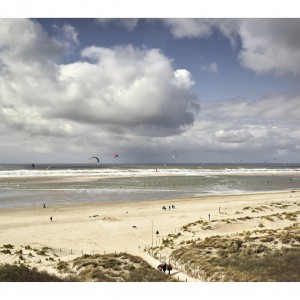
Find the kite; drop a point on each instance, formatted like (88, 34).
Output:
(94, 159)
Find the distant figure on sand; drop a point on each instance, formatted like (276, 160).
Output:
(51, 219)
(164, 267)
(157, 232)
(169, 268)
(44, 205)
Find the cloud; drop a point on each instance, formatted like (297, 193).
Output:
(126, 86)
(265, 45)
(264, 127)
(128, 99)
(183, 79)
(70, 33)
(128, 23)
(270, 109)
(190, 28)
(118, 94)
(270, 45)
(233, 136)
(211, 68)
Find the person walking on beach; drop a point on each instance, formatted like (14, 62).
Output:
(164, 267)
(169, 268)
(51, 219)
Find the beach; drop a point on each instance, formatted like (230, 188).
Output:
(131, 227)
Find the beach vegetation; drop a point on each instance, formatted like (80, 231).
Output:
(46, 249)
(291, 216)
(14, 273)
(8, 246)
(121, 267)
(268, 218)
(6, 251)
(62, 266)
(41, 252)
(258, 208)
(247, 208)
(260, 255)
(167, 242)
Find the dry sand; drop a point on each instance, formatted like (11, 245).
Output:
(105, 228)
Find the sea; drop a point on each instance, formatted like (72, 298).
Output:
(138, 182)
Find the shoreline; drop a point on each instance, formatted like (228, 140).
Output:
(83, 196)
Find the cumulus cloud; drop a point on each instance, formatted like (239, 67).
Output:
(127, 86)
(266, 45)
(271, 45)
(183, 79)
(122, 91)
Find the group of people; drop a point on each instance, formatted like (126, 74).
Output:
(165, 267)
(165, 208)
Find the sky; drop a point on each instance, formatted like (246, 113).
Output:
(203, 89)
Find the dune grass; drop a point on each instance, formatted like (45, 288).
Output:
(13, 273)
(250, 256)
(121, 267)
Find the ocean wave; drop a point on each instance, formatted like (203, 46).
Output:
(122, 172)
